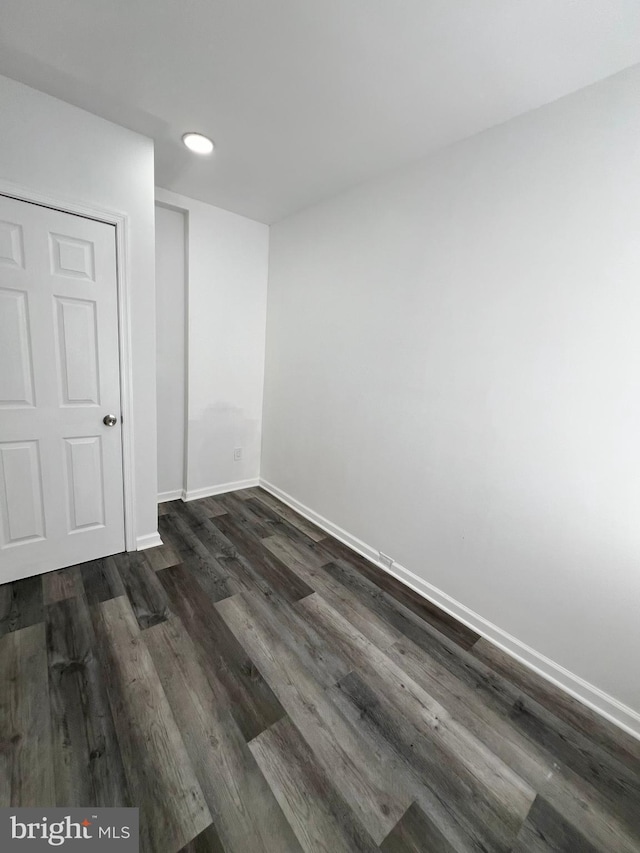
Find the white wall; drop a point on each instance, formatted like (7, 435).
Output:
(227, 260)
(53, 148)
(170, 349)
(453, 377)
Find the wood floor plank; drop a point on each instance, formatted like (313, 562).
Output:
(564, 707)
(466, 801)
(460, 687)
(162, 557)
(201, 562)
(259, 570)
(160, 777)
(325, 662)
(310, 555)
(488, 727)
(277, 523)
(415, 833)
(251, 492)
(268, 519)
(484, 723)
(496, 692)
(539, 769)
(617, 787)
(145, 592)
(341, 637)
(65, 583)
(213, 507)
(26, 768)
(430, 717)
(321, 819)
(304, 526)
(353, 647)
(197, 516)
(443, 622)
(386, 607)
(208, 841)
(341, 599)
(360, 775)
(21, 604)
(86, 756)
(561, 763)
(245, 494)
(244, 810)
(203, 550)
(490, 721)
(101, 580)
(167, 507)
(545, 831)
(267, 567)
(439, 656)
(241, 512)
(253, 703)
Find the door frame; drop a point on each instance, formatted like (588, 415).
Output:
(121, 222)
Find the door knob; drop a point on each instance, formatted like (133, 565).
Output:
(110, 420)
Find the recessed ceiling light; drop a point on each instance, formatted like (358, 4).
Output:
(198, 143)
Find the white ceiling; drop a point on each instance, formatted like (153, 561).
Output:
(305, 98)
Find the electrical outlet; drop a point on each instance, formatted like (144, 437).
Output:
(237, 454)
(386, 561)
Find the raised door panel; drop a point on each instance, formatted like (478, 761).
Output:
(16, 376)
(77, 342)
(73, 257)
(85, 482)
(21, 496)
(11, 245)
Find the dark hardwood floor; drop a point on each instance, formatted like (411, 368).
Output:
(254, 685)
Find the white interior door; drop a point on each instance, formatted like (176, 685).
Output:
(61, 485)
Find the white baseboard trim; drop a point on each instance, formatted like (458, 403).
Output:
(151, 540)
(590, 695)
(175, 495)
(209, 491)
